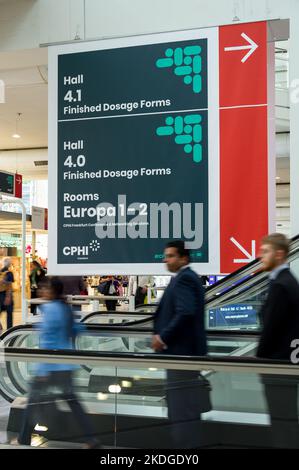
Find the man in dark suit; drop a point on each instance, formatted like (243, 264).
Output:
(280, 320)
(179, 330)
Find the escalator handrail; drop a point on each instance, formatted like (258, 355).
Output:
(261, 275)
(123, 329)
(239, 271)
(61, 354)
(140, 306)
(102, 327)
(125, 323)
(229, 296)
(11, 348)
(162, 361)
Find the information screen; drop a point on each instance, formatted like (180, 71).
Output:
(238, 315)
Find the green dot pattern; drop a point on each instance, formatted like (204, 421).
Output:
(186, 63)
(187, 132)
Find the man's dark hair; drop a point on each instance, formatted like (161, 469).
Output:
(56, 285)
(278, 241)
(180, 247)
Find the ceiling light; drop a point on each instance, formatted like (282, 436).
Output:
(102, 396)
(126, 384)
(39, 427)
(114, 389)
(37, 441)
(16, 135)
(278, 177)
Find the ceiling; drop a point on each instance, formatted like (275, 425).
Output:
(26, 91)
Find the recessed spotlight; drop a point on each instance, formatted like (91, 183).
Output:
(102, 396)
(16, 136)
(40, 427)
(278, 177)
(126, 383)
(114, 389)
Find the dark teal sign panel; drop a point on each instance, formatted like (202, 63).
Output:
(132, 153)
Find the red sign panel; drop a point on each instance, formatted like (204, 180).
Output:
(18, 185)
(243, 142)
(46, 219)
(243, 64)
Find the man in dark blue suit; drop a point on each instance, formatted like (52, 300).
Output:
(179, 330)
(179, 319)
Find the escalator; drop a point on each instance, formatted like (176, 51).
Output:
(124, 394)
(246, 278)
(130, 332)
(137, 396)
(232, 303)
(141, 403)
(105, 339)
(117, 336)
(119, 318)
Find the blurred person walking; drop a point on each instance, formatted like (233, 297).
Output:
(6, 293)
(37, 274)
(58, 331)
(109, 286)
(143, 283)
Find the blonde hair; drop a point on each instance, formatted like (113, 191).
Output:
(278, 241)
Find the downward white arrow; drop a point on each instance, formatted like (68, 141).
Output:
(249, 257)
(252, 47)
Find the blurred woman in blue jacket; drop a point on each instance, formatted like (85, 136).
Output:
(58, 331)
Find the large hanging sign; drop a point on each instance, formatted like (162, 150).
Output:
(135, 147)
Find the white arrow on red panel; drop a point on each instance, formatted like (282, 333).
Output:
(18, 180)
(252, 47)
(249, 257)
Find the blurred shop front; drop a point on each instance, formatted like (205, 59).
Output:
(11, 245)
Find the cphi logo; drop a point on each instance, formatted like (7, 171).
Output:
(94, 245)
(187, 131)
(82, 250)
(186, 63)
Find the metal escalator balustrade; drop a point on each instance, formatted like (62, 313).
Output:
(250, 273)
(117, 318)
(125, 394)
(109, 340)
(235, 302)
